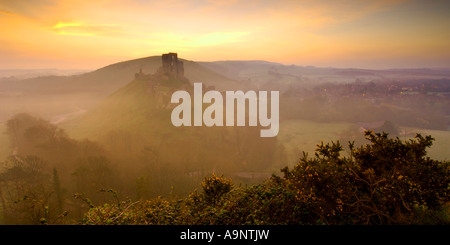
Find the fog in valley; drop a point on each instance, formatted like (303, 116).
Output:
(69, 136)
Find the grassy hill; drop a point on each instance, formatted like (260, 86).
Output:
(49, 96)
(134, 126)
(108, 79)
(275, 76)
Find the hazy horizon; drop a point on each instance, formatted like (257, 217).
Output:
(93, 68)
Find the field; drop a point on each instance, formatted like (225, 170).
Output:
(440, 150)
(299, 135)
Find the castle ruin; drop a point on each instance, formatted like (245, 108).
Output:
(171, 65)
(167, 78)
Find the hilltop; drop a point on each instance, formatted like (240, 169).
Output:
(51, 96)
(133, 124)
(112, 98)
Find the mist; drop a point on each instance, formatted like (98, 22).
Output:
(71, 142)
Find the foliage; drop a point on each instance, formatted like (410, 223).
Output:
(384, 182)
(387, 181)
(215, 187)
(157, 211)
(26, 192)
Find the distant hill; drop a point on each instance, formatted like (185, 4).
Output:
(15, 74)
(135, 108)
(133, 124)
(221, 74)
(52, 96)
(108, 79)
(270, 75)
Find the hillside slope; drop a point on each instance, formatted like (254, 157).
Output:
(134, 125)
(51, 96)
(105, 80)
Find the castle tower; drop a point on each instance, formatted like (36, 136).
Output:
(171, 65)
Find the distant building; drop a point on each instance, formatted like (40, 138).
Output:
(171, 65)
(162, 84)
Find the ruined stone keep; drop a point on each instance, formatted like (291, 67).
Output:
(171, 65)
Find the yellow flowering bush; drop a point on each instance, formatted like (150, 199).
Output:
(384, 182)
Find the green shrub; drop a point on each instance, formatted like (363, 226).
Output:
(215, 187)
(384, 182)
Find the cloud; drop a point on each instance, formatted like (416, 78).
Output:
(80, 29)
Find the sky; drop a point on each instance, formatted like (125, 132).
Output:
(78, 34)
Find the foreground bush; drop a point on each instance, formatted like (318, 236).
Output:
(384, 182)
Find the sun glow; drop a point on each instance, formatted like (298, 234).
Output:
(352, 33)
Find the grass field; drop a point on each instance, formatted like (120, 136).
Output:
(440, 150)
(299, 135)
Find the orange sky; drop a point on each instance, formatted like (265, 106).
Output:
(74, 34)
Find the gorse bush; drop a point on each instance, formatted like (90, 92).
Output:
(383, 182)
(215, 187)
(386, 181)
(157, 211)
